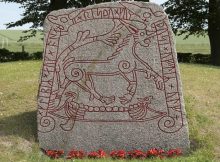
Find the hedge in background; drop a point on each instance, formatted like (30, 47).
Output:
(194, 58)
(37, 55)
(6, 56)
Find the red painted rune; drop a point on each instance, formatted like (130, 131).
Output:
(109, 64)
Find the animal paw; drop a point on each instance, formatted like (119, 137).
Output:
(159, 82)
(132, 86)
(126, 98)
(147, 75)
(91, 97)
(82, 36)
(107, 100)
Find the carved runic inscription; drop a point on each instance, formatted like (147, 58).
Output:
(112, 63)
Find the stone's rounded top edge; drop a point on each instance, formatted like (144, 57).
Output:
(64, 10)
(56, 13)
(143, 4)
(46, 25)
(155, 5)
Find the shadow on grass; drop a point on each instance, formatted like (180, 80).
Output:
(23, 125)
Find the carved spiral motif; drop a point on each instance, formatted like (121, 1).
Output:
(168, 124)
(46, 124)
(147, 42)
(74, 74)
(125, 66)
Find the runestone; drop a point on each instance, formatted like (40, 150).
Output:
(110, 80)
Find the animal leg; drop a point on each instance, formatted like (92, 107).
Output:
(58, 93)
(132, 81)
(62, 88)
(103, 99)
(149, 74)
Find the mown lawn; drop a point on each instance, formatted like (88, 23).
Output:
(18, 128)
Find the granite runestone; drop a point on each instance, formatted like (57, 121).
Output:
(110, 80)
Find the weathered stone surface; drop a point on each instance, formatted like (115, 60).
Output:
(110, 80)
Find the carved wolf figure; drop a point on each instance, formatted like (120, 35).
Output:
(124, 37)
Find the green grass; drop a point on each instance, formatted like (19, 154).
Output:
(9, 40)
(193, 44)
(18, 129)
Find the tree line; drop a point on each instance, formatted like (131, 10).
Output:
(190, 17)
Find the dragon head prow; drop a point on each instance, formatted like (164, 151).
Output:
(145, 100)
(71, 94)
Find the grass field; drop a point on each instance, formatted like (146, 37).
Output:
(193, 44)
(8, 39)
(18, 129)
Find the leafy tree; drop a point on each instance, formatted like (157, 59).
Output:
(197, 17)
